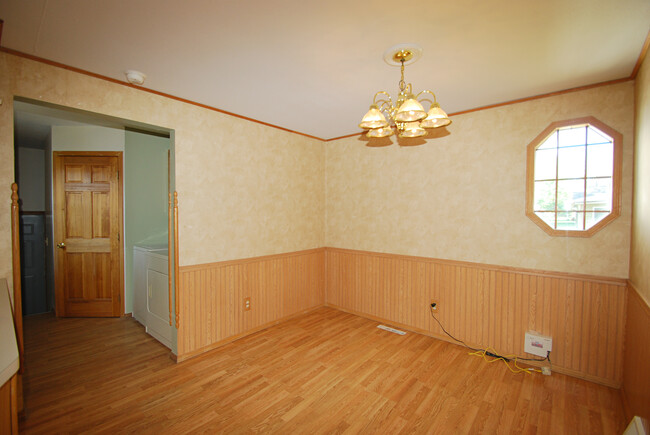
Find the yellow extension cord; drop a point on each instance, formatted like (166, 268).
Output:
(513, 358)
(483, 353)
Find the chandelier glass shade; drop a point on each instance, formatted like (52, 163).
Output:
(407, 116)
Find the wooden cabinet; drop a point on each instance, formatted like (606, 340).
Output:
(9, 365)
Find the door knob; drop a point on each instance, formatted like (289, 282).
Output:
(61, 245)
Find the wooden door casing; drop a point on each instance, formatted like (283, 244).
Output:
(88, 220)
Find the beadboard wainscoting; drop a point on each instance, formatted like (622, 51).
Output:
(211, 298)
(483, 305)
(486, 305)
(636, 376)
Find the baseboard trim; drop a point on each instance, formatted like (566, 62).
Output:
(218, 344)
(618, 285)
(557, 369)
(562, 370)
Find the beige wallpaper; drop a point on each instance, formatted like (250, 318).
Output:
(244, 189)
(247, 190)
(640, 253)
(462, 196)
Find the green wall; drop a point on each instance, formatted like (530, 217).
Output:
(145, 198)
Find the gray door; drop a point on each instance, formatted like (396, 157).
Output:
(32, 252)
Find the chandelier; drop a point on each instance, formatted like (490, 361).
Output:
(407, 116)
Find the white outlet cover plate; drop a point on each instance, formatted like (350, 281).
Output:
(537, 344)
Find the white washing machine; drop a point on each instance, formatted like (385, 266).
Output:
(151, 291)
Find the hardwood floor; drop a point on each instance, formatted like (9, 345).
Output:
(324, 372)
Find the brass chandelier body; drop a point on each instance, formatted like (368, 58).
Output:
(407, 115)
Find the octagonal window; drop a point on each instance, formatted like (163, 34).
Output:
(573, 177)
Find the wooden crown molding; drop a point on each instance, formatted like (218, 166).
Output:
(523, 100)
(214, 109)
(540, 96)
(639, 61)
(152, 91)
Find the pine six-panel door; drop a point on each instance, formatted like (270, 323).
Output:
(88, 222)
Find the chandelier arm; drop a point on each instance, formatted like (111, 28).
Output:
(406, 115)
(382, 102)
(426, 99)
(385, 106)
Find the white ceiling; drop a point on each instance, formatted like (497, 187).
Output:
(313, 67)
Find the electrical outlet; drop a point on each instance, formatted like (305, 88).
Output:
(247, 304)
(434, 305)
(546, 371)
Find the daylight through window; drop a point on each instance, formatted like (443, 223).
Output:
(574, 177)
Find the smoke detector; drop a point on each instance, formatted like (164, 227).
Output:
(135, 77)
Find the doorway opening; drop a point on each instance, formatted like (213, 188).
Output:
(146, 175)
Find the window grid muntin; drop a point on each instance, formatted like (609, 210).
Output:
(542, 146)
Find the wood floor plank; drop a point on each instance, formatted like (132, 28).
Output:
(323, 372)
